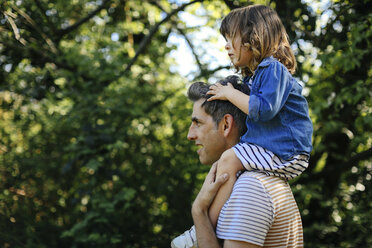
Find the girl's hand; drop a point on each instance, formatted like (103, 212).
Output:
(220, 92)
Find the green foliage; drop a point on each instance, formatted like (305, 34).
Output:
(340, 102)
(93, 148)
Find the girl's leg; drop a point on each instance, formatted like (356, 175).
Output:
(230, 164)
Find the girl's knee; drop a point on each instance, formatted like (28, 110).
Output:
(229, 163)
(228, 155)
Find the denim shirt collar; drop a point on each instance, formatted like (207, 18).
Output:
(266, 61)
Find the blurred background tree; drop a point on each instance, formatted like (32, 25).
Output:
(94, 117)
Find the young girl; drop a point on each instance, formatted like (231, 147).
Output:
(278, 139)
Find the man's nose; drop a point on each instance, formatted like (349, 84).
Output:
(191, 134)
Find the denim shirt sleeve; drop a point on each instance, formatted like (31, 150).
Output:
(270, 90)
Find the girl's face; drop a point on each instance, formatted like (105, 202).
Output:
(239, 54)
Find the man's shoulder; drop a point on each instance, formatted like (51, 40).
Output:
(267, 181)
(258, 174)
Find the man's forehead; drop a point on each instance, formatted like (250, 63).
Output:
(197, 107)
(198, 112)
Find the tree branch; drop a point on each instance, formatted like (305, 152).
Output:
(317, 40)
(358, 157)
(221, 67)
(43, 12)
(70, 28)
(35, 26)
(234, 4)
(201, 67)
(210, 72)
(14, 27)
(156, 3)
(188, 41)
(152, 32)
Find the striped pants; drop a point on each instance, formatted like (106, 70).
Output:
(257, 158)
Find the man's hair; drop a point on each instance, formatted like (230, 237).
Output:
(261, 31)
(218, 108)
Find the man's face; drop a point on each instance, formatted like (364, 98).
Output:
(206, 135)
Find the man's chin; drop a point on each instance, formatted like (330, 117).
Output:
(205, 161)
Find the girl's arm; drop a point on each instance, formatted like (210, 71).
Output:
(273, 85)
(229, 93)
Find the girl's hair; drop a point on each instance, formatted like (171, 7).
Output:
(261, 31)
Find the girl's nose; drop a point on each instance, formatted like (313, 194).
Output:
(227, 46)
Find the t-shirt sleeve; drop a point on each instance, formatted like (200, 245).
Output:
(248, 214)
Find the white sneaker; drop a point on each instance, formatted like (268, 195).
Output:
(186, 240)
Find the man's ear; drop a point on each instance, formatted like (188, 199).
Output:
(227, 123)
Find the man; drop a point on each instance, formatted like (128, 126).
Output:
(261, 210)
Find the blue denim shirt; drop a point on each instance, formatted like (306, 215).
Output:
(278, 117)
